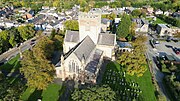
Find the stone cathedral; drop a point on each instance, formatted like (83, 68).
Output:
(84, 50)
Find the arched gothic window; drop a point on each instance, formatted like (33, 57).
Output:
(73, 66)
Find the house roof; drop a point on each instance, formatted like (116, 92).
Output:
(39, 18)
(106, 39)
(124, 44)
(163, 25)
(105, 21)
(85, 48)
(139, 22)
(92, 65)
(72, 36)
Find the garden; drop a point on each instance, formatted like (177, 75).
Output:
(129, 87)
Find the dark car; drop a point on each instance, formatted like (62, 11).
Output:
(176, 50)
(168, 46)
(175, 40)
(169, 39)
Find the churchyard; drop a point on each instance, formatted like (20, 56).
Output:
(127, 87)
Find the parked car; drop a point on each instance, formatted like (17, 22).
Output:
(176, 50)
(169, 39)
(175, 40)
(168, 46)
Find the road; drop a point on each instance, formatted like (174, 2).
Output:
(24, 46)
(156, 72)
(14, 51)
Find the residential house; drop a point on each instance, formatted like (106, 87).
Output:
(141, 25)
(45, 7)
(175, 30)
(167, 13)
(9, 24)
(158, 12)
(27, 16)
(124, 46)
(176, 14)
(163, 30)
(149, 10)
(105, 23)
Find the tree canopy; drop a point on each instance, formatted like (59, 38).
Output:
(124, 27)
(97, 93)
(36, 66)
(27, 31)
(11, 37)
(135, 61)
(136, 12)
(72, 25)
(111, 16)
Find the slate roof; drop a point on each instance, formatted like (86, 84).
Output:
(124, 44)
(72, 36)
(92, 65)
(85, 48)
(140, 22)
(106, 39)
(38, 19)
(105, 21)
(163, 25)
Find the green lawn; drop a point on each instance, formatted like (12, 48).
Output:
(159, 21)
(144, 83)
(52, 93)
(12, 64)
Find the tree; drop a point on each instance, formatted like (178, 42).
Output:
(44, 49)
(132, 29)
(102, 93)
(111, 16)
(127, 4)
(58, 42)
(72, 25)
(26, 32)
(124, 27)
(135, 62)
(36, 67)
(136, 12)
(12, 40)
(53, 33)
(11, 90)
(14, 36)
(82, 3)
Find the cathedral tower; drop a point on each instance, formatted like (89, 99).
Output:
(89, 24)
